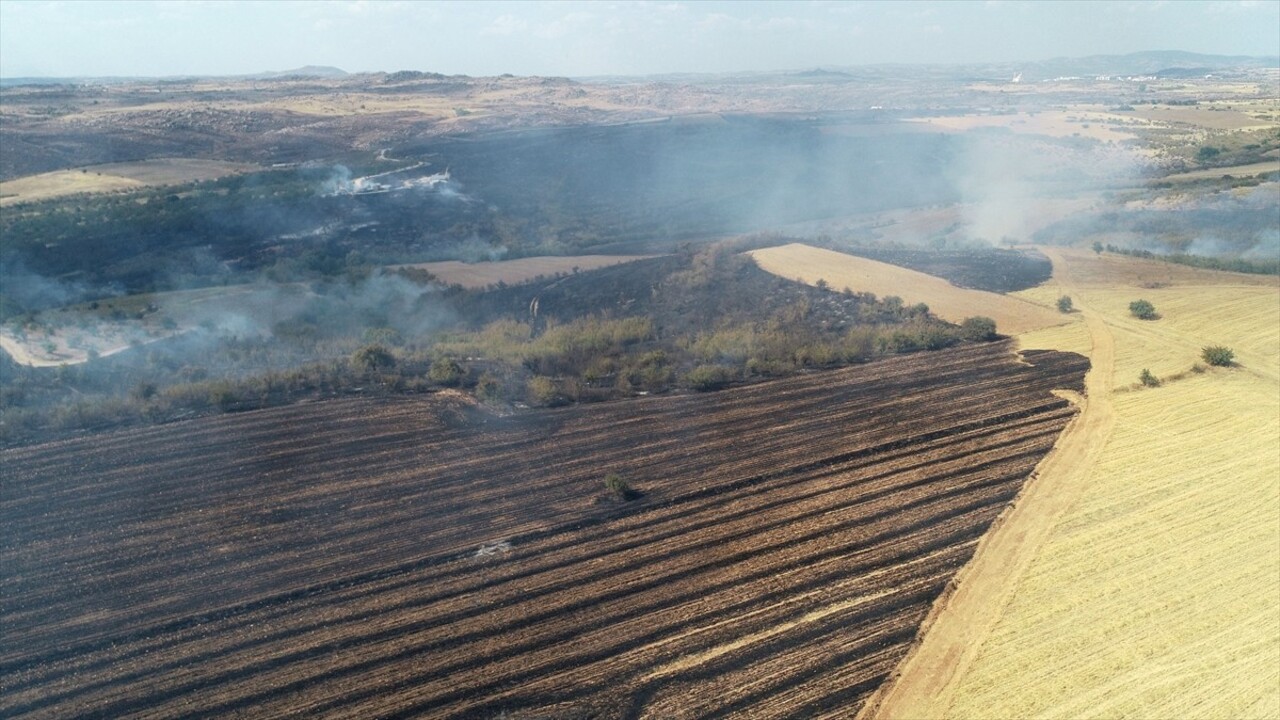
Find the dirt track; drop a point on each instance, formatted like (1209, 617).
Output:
(965, 615)
(360, 559)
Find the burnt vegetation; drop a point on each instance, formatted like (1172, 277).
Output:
(698, 319)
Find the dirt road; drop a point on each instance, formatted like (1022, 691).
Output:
(963, 617)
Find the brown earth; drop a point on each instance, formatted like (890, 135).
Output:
(421, 557)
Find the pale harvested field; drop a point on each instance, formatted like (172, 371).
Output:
(511, 272)
(1155, 593)
(115, 176)
(1219, 119)
(809, 264)
(1268, 166)
(1054, 123)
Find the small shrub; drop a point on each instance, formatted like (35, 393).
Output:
(1065, 305)
(1097, 247)
(1148, 379)
(1218, 355)
(1143, 310)
(618, 488)
(709, 377)
(445, 372)
(978, 328)
(372, 357)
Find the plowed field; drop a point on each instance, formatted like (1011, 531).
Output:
(421, 558)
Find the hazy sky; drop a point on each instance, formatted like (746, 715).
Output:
(118, 37)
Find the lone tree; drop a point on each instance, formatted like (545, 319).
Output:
(1148, 379)
(1218, 355)
(1143, 310)
(1064, 304)
(1097, 247)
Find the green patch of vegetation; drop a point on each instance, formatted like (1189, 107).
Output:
(1143, 310)
(1147, 379)
(1218, 355)
(1065, 304)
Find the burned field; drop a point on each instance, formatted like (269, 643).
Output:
(419, 557)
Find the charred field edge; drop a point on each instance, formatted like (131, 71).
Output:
(422, 556)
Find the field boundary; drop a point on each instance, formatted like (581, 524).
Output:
(964, 615)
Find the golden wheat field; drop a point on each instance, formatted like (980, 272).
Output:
(810, 264)
(115, 176)
(1157, 593)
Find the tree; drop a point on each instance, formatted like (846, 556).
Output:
(1097, 247)
(1218, 355)
(1064, 304)
(1148, 379)
(1143, 310)
(978, 327)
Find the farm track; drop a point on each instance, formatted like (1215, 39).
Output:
(321, 560)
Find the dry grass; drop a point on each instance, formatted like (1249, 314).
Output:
(810, 264)
(1158, 593)
(1054, 123)
(115, 176)
(511, 272)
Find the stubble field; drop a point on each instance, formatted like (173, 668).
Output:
(422, 557)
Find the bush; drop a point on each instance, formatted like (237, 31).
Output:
(1218, 355)
(709, 377)
(372, 357)
(1143, 310)
(445, 372)
(1148, 379)
(542, 391)
(618, 488)
(978, 328)
(1065, 305)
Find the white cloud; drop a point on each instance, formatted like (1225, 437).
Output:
(504, 25)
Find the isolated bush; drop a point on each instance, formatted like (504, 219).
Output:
(978, 327)
(619, 488)
(1097, 247)
(1218, 355)
(1147, 379)
(1064, 304)
(1143, 310)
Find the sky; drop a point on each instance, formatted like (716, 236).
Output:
(98, 38)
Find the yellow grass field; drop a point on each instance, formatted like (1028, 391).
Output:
(1268, 166)
(810, 264)
(1155, 590)
(115, 176)
(1054, 123)
(479, 275)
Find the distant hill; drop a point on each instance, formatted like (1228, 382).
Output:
(312, 71)
(1165, 62)
(322, 71)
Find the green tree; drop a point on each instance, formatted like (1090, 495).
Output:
(1143, 310)
(1218, 355)
(1097, 247)
(1148, 379)
(1065, 305)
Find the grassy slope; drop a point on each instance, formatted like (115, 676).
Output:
(1157, 595)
